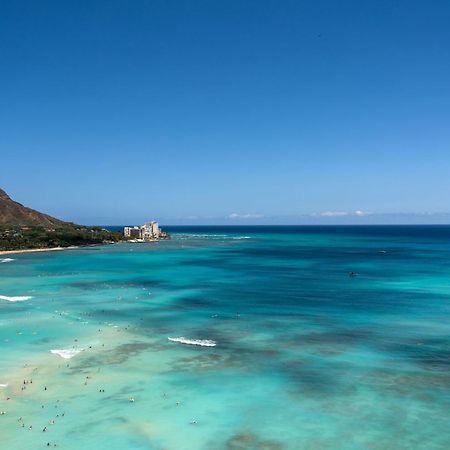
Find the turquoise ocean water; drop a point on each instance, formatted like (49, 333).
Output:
(306, 356)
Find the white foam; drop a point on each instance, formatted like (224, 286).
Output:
(3, 385)
(201, 236)
(15, 299)
(6, 260)
(200, 342)
(207, 235)
(66, 354)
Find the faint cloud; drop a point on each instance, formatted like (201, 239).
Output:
(237, 216)
(358, 213)
(333, 214)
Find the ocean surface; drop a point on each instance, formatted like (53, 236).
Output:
(284, 338)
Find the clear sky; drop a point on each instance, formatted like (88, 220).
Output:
(227, 111)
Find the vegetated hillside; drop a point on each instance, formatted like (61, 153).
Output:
(25, 228)
(14, 213)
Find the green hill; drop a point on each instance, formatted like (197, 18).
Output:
(26, 228)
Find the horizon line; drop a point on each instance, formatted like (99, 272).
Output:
(291, 225)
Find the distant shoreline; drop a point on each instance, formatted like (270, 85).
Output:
(72, 247)
(31, 250)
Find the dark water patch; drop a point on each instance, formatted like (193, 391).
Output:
(227, 356)
(125, 391)
(131, 314)
(119, 419)
(431, 353)
(92, 429)
(211, 261)
(201, 362)
(116, 284)
(327, 351)
(283, 299)
(251, 441)
(106, 420)
(289, 299)
(117, 355)
(44, 340)
(312, 380)
(318, 252)
(316, 259)
(335, 337)
(122, 396)
(108, 314)
(420, 385)
(281, 323)
(193, 302)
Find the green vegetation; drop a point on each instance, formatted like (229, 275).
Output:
(21, 238)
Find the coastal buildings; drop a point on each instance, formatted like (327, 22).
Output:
(148, 232)
(132, 232)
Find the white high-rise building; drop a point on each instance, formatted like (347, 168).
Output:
(150, 231)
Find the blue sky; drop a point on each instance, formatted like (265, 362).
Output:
(227, 111)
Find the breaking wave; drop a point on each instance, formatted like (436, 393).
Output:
(15, 299)
(209, 236)
(206, 235)
(6, 260)
(200, 236)
(66, 354)
(199, 342)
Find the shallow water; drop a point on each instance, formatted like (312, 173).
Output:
(306, 357)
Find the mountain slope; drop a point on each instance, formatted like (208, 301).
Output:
(13, 213)
(23, 228)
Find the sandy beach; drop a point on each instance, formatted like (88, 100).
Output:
(31, 250)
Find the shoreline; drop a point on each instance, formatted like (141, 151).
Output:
(72, 247)
(31, 250)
